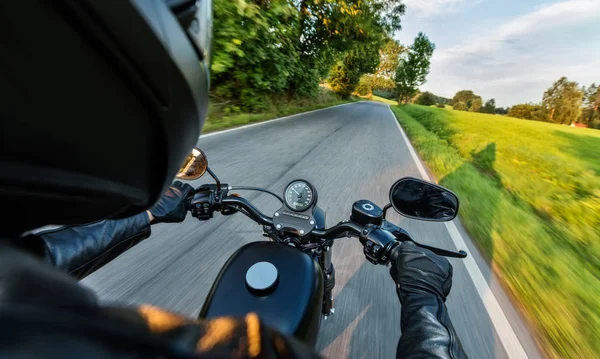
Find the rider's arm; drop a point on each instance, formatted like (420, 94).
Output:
(80, 250)
(423, 281)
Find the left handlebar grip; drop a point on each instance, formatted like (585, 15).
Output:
(202, 205)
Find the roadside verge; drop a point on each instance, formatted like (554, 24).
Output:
(521, 249)
(220, 123)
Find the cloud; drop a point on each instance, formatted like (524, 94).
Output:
(519, 59)
(428, 8)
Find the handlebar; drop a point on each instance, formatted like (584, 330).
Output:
(338, 230)
(378, 241)
(251, 211)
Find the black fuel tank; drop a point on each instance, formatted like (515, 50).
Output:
(292, 306)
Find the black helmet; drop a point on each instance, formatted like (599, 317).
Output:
(101, 102)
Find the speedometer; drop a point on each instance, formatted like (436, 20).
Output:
(299, 196)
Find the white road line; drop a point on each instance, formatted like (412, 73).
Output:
(505, 332)
(273, 120)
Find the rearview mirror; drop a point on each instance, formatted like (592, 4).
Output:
(194, 166)
(418, 199)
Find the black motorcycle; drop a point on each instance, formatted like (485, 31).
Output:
(288, 281)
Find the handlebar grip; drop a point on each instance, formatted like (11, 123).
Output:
(202, 205)
(378, 244)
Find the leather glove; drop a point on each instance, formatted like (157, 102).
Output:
(170, 208)
(420, 271)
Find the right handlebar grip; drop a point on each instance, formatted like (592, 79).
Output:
(378, 244)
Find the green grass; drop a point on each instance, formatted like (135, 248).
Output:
(530, 197)
(384, 100)
(220, 117)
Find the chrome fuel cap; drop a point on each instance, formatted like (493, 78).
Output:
(261, 278)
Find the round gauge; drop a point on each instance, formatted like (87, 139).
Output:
(299, 196)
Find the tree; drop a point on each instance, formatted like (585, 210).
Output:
(442, 100)
(475, 104)
(341, 80)
(501, 110)
(463, 96)
(471, 101)
(285, 47)
(255, 51)
(330, 28)
(426, 99)
(489, 107)
(562, 101)
(414, 67)
(590, 114)
(460, 106)
(384, 87)
(389, 56)
(365, 85)
(346, 74)
(527, 111)
(592, 97)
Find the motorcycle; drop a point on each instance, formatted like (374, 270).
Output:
(288, 281)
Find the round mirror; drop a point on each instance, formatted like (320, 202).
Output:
(194, 166)
(415, 198)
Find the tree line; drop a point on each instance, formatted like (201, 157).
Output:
(563, 103)
(266, 48)
(275, 48)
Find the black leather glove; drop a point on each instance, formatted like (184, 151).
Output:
(418, 270)
(170, 208)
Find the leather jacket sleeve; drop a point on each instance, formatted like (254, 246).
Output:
(80, 250)
(427, 331)
(49, 315)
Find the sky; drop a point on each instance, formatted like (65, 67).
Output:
(509, 50)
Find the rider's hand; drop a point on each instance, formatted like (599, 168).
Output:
(419, 271)
(170, 208)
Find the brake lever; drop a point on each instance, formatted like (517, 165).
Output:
(403, 236)
(443, 252)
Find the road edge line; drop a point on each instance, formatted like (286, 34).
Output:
(510, 342)
(273, 120)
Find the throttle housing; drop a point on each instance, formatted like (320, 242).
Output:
(378, 244)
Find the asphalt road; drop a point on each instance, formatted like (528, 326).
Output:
(348, 152)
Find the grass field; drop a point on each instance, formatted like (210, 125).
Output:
(384, 100)
(221, 117)
(530, 197)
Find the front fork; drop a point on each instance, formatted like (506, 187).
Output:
(329, 282)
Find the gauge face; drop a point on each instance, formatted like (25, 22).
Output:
(299, 196)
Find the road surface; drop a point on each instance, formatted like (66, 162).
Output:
(348, 152)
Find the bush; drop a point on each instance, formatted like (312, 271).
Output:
(390, 95)
(460, 106)
(364, 85)
(426, 99)
(528, 111)
(440, 105)
(342, 81)
(475, 104)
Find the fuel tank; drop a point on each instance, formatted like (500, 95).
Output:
(283, 285)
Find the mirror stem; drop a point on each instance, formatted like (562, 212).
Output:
(214, 176)
(385, 209)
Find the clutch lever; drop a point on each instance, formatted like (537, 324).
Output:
(403, 236)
